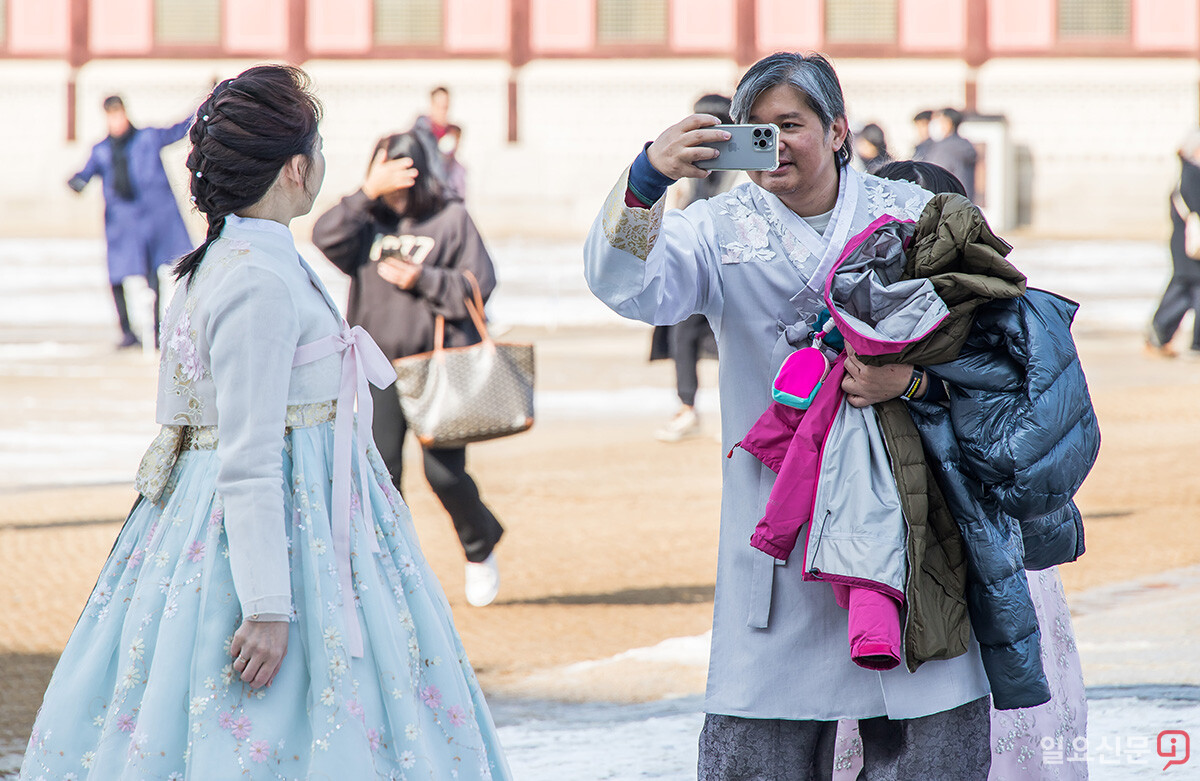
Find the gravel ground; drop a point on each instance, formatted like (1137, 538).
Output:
(583, 580)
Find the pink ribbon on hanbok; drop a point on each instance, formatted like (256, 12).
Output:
(362, 363)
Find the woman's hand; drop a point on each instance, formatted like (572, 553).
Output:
(676, 151)
(866, 385)
(388, 176)
(401, 273)
(258, 649)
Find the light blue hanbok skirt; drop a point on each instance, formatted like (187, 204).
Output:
(146, 690)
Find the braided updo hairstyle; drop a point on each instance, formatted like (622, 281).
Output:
(243, 135)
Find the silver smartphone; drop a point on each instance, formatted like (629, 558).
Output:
(749, 148)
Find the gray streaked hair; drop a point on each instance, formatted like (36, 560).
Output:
(811, 74)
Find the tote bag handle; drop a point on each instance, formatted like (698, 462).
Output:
(474, 304)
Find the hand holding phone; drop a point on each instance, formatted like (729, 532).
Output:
(676, 152)
(402, 273)
(748, 148)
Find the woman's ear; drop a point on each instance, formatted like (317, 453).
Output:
(293, 171)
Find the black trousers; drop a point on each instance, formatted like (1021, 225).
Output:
(953, 745)
(118, 293)
(446, 470)
(1180, 296)
(687, 341)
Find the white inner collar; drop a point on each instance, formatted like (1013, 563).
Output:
(256, 224)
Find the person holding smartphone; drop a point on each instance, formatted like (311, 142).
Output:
(754, 261)
(406, 244)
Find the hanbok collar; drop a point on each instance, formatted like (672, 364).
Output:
(827, 246)
(234, 223)
(276, 233)
(320, 286)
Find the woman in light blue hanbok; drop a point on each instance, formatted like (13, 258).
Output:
(266, 611)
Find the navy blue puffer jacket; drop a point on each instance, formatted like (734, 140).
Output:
(1015, 443)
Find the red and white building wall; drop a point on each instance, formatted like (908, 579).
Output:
(556, 96)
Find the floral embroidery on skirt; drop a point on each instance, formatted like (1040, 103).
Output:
(145, 687)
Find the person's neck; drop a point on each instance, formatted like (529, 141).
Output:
(815, 201)
(273, 209)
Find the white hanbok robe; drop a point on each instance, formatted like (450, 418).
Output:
(755, 269)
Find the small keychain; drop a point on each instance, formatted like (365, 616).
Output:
(802, 372)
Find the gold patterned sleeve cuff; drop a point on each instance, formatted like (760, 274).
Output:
(630, 229)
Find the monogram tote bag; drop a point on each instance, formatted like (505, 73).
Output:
(454, 396)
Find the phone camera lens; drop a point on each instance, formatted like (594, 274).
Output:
(767, 132)
(758, 132)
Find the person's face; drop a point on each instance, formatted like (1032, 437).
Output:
(806, 150)
(314, 177)
(866, 150)
(439, 107)
(940, 128)
(117, 121)
(922, 126)
(396, 200)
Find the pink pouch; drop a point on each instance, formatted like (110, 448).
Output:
(800, 377)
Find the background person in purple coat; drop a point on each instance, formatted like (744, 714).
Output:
(142, 223)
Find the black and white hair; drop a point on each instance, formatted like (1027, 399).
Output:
(812, 75)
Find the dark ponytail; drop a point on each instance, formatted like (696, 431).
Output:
(243, 135)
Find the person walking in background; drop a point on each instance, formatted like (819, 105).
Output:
(431, 127)
(405, 245)
(870, 145)
(921, 127)
(266, 611)
(142, 224)
(950, 150)
(1183, 289)
(687, 342)
(456, 172)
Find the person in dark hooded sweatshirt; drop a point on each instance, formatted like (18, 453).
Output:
(406, 244)
(142, 223)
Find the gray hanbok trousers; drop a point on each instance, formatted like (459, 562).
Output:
(953, 745)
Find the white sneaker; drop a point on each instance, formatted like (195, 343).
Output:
(482, 581)
(686, 423)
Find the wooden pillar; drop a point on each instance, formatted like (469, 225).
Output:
(977, 51)
(519, 53)
(746, 35)
(78, 54)
(297, 40)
